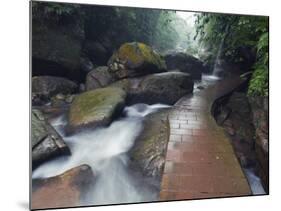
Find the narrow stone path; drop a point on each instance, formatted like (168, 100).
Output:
(200, 161)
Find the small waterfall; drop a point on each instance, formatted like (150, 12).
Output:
(217, 66)
(106, 149)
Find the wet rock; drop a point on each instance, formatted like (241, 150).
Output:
(149, 150)
(45, 87)
(135, 59)
(164, 88)
(95, 108)
(46, 143)
(238, 110)
(248, 126)
(200, 87)
(260, 119)
(223, 115)
(66, 190)
(98, 78)
(185, 63)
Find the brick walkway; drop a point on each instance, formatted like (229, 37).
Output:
(200, 161)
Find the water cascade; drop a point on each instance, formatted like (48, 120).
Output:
(105, 150)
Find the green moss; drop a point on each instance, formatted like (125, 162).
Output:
(137, 53)
(95, 105)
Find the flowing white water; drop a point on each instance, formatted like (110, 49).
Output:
(217, 66)
(254, 181)
(105, 150)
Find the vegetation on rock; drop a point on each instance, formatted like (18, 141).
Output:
(96, 107)
(244, 40)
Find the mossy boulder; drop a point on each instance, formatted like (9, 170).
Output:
(95, 108)
(135, 59)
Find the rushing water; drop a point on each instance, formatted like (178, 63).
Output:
(254, 181)
(105, 150)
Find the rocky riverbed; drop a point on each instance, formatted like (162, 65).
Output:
(113, 128)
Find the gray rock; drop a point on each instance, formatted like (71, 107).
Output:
(98, 78)
(164, 88)
(149, 151)
(46, 143)
(45, 87)
(185, 63)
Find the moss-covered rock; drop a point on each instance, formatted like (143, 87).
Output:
(95, 108)
(135, 59)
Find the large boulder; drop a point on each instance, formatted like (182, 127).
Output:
(135, 59)
(57, 45)
(95, 108)
(98, 78)
(46, 143)
(45, 87)
(157, 88)
(185, 63)
(149, 151)
(66, 190)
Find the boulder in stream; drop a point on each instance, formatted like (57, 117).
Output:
(150, 147)
(65, 190)
(98, 78)
(185, 63)
(164, 88)
(46, 143)
(95, 108)
(135, 59)
(45, 87)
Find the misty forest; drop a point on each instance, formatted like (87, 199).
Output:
(139, 105)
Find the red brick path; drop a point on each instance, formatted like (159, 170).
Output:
(200, 161)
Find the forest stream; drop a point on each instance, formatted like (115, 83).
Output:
(120, 105)
(105, 150)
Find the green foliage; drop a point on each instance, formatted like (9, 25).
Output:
(233, 30)
(259, 81)
(52, 10)
(236, 33)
